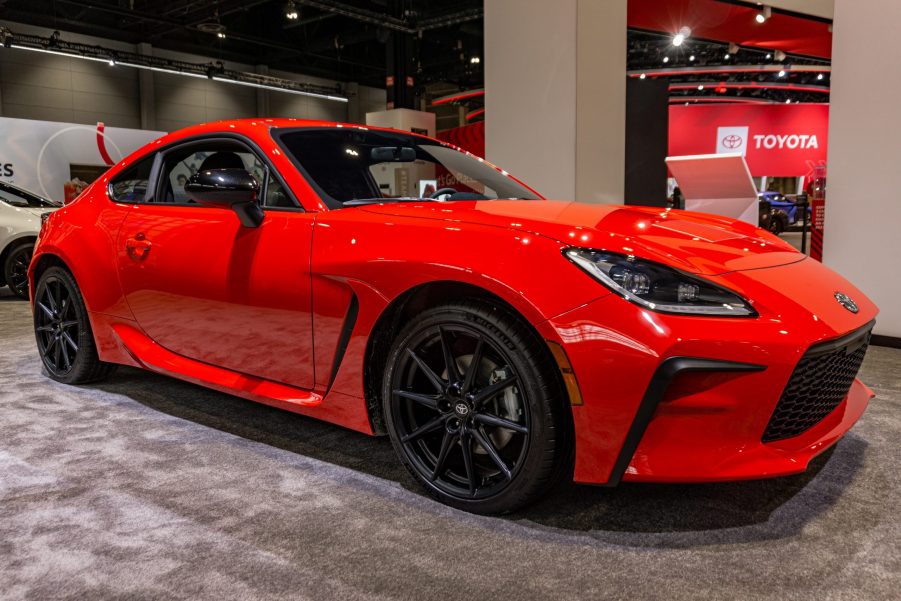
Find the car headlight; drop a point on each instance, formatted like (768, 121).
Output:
(658, 287)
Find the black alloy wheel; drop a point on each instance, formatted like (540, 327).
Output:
(15, 268)
(474, 408)
(64, 337)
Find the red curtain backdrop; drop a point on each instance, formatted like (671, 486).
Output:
(469, 137)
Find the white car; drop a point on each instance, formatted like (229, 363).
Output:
(20, 222)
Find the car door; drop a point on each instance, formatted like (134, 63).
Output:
(205, 287)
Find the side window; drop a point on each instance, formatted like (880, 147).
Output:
(181, 163)
(131, 184)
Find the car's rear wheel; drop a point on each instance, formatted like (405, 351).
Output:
(65, 340)
(474, 407)
(15, 268)
(778, 222)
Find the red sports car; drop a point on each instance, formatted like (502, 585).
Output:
(393, 284)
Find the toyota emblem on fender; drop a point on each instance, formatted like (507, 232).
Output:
(847, 302)
(732, 141)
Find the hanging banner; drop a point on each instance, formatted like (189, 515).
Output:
(778, 140)
(58, 160)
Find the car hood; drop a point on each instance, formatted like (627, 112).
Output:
(694, 242)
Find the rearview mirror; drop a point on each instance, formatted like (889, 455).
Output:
(234, 189)
(392, 154)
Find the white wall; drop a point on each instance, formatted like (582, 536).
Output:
(55, 88)
(863, 194)
(555, 93)
(817, 8)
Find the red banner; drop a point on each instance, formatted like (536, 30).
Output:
(778, 140)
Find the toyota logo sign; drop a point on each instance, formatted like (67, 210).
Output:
(732, 141)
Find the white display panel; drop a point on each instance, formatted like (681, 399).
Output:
(720, 184)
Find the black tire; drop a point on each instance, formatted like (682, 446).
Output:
(778, 222)
(15, 268)
(63, 332)
(494, 437)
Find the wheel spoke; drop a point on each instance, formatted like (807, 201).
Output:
(446, 443)
(50, 346)
(50, 300)
(500, 422)
(44, 328)
(429, 401)
(57, 297)
(47, 311)
(450, 362)
(492, 452)
(71, 342)
(65, 354)
(489, 391)
(474, 363)
(427, 427)
(57, 351)
(466, 446)
(68, 324)
(433, 378)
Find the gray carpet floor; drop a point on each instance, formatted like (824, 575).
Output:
(144, 487)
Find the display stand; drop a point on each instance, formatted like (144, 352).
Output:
(717, 183)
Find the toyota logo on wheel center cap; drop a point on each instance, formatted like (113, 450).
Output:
(847, 302)
(462, 409)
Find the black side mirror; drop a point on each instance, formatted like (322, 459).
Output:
(234, 189)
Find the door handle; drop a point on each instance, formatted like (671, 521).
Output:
(137, 246)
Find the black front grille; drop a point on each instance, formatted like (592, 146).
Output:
(818, 385)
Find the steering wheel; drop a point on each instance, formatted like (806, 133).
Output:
(441, 192)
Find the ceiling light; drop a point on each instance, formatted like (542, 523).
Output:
(291, 12)
(475, 60)
(820, 77)
(642, 76)
(691, 58)
(678, 39)
(220, 35)
(768, 56)
(666, 59)
(765, 13)
(728, 56)
(782, 73)
(701, 88)
(789, 101)
(112, 62)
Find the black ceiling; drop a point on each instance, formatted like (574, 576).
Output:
(343, 40)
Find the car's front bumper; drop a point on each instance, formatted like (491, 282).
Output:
(643, 419)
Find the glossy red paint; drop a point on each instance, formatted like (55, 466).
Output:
(264, 312)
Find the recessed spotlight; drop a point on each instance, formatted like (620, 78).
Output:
(691, 58)
(701, 88)
(221, 35)
(728, 56)
(642, 76)
(769, 56)
(820, 77)
(291, 12)
(678, 39)
(789, 101)
(112, 62)
(665, 59)
(475, 60)
(782, 73)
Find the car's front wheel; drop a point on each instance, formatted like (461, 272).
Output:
(15, 268)
(474, 407)
(65, 340)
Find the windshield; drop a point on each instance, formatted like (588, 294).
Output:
(20, 198)
(350, 166)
